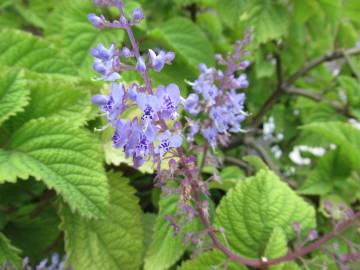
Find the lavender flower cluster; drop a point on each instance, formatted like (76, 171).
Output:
(216, 97)
(148, 136)
(55, 263)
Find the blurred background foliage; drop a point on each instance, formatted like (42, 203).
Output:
(45, 58)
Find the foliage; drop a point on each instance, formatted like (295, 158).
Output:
(65, 190)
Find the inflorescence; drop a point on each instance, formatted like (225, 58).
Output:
(157, 131)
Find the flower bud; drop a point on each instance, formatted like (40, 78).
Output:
(96, 21)
(137, 15)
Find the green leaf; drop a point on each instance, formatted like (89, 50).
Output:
(344, 135)
(210, 260)
(114, 242)
(21, 49)
(256, 162)
(329, 170)
(165, 248)
(276, 246)
(33, 233)
(255, 207)
(78, 36)
(54, 97)
(64, 157)
(14, 93)
(352, 9)
(186, 39)
(8, 252)
(268, 19)
(352, 89)
(230, 11)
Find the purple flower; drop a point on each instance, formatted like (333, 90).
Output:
(140, 65)
(191, 104)
(150, 105)
(137, 15)
(96, 21)
(157, 62)
(126, 52)
(210, 135)
(167, 141)
(104, 62)
(113, 104)
(169, 99)
(105, 2)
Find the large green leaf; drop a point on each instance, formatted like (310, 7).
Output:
(21, 49)
(53, 97)
(114, 242)
(14, 93)
(344, 135)
(255, 207)
(210, 260)
(8, 253)
(165, 248)
(78, 36)
(186, 39)
(64, 157)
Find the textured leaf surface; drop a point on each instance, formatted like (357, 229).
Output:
(269, 20)
(53, 97)
(115, 242)
(230, 11)
(24, 50)
(13, 93)
(255, 207)
(210, 260)
(344, 135)
(276, 246)
(165, 248)
(8, 252)
(186, 39)
(64, 157)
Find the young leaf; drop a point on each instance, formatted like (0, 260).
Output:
(268, 19)
(21, 49)
(344, 135)
(276, 246)
(64, 157)
(114, 242)
(14, 93)
(210, 260)
(330, 169)
(255, 207)
(186, 39)
(8, 253)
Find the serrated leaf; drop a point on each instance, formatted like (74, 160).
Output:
(255, 207)
(64, 157)
(165, 248)
(230, 11)
(342, 134)
(186, 39)
(54, 97)
(330, 169)
(210, 260)
(14, 93)
(256, 162)
(21, 49)
(78, 36)
(8, 252)
(114, 242)
(268, 19)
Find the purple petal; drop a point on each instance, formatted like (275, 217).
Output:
(175, 141)
(99, 99)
